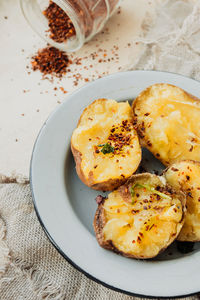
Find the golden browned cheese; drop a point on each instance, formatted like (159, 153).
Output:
(106, 122)
(168, 123)
(186, 175)
(143, 224)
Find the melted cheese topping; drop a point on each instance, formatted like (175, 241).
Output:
(94, 129)
(144, 228)
(171, 121)
(186, 175)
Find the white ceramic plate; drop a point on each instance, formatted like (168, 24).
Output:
(66, 207)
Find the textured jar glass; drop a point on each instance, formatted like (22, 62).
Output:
(88, 18)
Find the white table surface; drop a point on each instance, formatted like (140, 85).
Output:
(23, 113)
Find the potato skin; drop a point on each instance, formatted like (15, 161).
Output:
(98, 224)
(83, 147)
(100, 218)
(184, 175)
(169, 137)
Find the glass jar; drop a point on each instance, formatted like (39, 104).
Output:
(87, 16)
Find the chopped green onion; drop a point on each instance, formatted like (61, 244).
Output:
(107, 148)
(132, 193)
(154, 191)
(149, 188)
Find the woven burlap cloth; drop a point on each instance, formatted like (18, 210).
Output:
(30, 267)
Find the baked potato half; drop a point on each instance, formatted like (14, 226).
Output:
(141, 218)
(105, 145)
(168, 123)
(185, 175)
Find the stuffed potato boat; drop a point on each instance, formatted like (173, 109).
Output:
(105, 145)
(185, 175)
(168, 123)
(141, 218)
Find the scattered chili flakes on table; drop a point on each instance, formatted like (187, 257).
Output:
(60, 25)
(51, 61)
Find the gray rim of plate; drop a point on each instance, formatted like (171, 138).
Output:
(190, 85)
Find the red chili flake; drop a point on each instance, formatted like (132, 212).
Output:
(194, 140)
(60, 25)
(96, 149)
(191, 148)
(149, 143)
(63, 90)
(134, 211)
(158, 197)
(50, 61)
(174, 169)
(199, 199)
(187, 177)
(151, 227)
(133, 241)
(77, 61)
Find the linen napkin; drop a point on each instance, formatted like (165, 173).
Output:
(30, 267)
